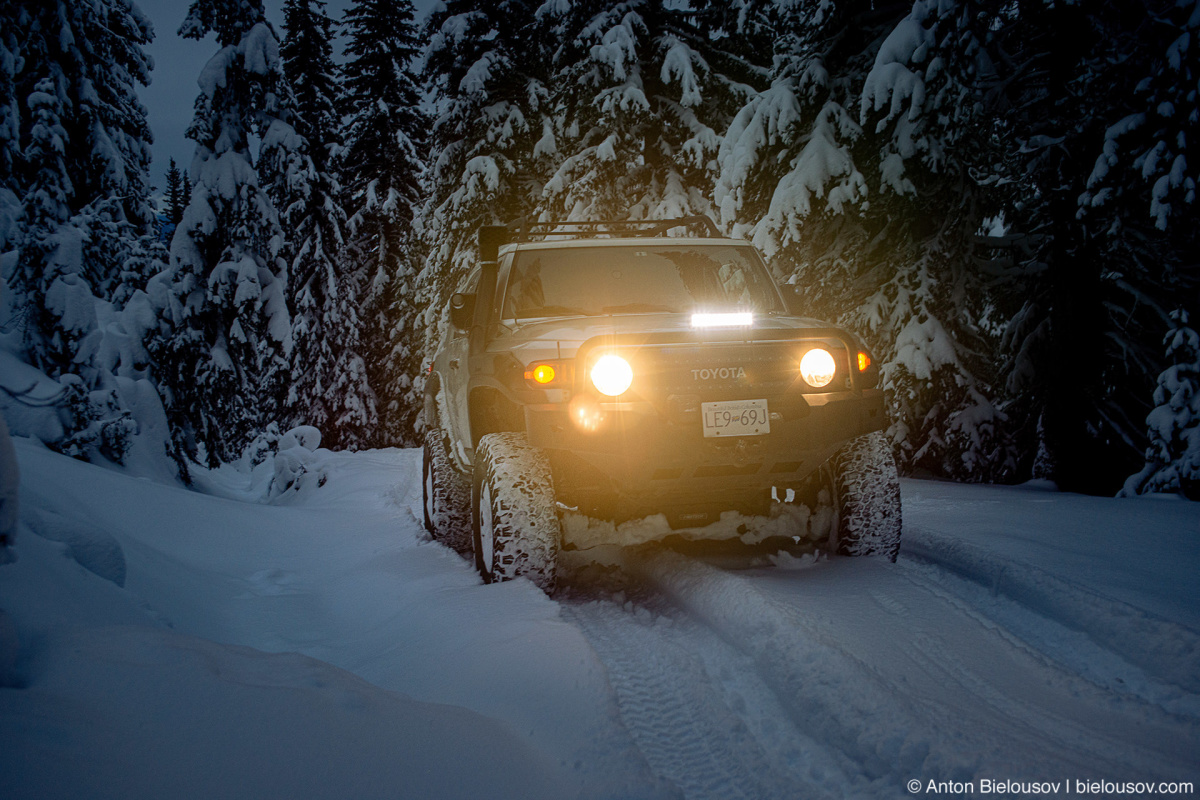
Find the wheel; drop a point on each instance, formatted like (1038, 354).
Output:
(445, 494)
(867, 489)
(515, 523)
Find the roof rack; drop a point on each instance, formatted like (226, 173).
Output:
(523, 231)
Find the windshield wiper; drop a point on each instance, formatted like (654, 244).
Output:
(635, 308)
(554, 311)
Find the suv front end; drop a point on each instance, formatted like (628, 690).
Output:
(665, 376)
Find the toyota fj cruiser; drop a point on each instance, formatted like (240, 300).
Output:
(611, 373)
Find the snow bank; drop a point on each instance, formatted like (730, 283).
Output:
(139, 711)
(322, 648)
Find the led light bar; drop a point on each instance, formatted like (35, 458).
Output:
(732, 319)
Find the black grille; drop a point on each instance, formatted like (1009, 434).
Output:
(716, 371)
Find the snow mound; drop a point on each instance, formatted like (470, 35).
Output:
(299, 463)
(92, 548)
(312, 728)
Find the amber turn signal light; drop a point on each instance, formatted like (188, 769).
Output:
(549, 374)
(864, 361)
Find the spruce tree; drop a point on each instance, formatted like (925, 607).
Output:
(78, 162)
(490, 149)
(636, 110)
(174, 194)
(1173, 455)
(13, 18)
(849, 168)
(226, 364)
(109, 136)
(929, 152)
(83, 172)
(381, 179)
(51, 331)
(1092, 273)
(329, 382)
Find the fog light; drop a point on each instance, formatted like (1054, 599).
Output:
(586, 414)
(817, 368)
(612, 375)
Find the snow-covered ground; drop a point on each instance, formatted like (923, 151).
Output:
(161, 642)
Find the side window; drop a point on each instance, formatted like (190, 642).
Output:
(471, 283)
(503, 277)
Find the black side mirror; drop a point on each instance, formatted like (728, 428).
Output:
(462, 310)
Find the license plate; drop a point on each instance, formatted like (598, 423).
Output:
(735, 418)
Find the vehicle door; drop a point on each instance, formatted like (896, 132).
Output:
(456, 378)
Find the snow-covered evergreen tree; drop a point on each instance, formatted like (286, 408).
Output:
(93, 51)
(591, 110)
(51, 330)
(928, 166)
(1173, 457)
(636, 109)
(329, 387)
(1092, 273)
(1150, 152)
(381, 178)
(76, 152)
(488, 68)
(226, 363)
(109, 136)
(13, 18)
(77, 70)
(788, 150)
(854, 169)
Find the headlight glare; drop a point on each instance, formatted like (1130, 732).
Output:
(817, 368)
(612, 375)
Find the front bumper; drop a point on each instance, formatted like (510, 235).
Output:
(633, 458)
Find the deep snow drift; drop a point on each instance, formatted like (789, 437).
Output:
(173, 643)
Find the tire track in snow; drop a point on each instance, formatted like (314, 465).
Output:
(1164, 649)
(937, 692)
(1050, 640)
(1149, 710)
(699, 714)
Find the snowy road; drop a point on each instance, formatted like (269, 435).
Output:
(849, 677)
(1023, 636)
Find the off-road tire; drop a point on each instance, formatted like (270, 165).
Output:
(514, 519)
(445, 495)
(868, 498)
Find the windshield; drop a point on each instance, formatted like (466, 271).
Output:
(642, 278)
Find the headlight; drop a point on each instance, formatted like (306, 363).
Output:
(817, 368)
(612, 375)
